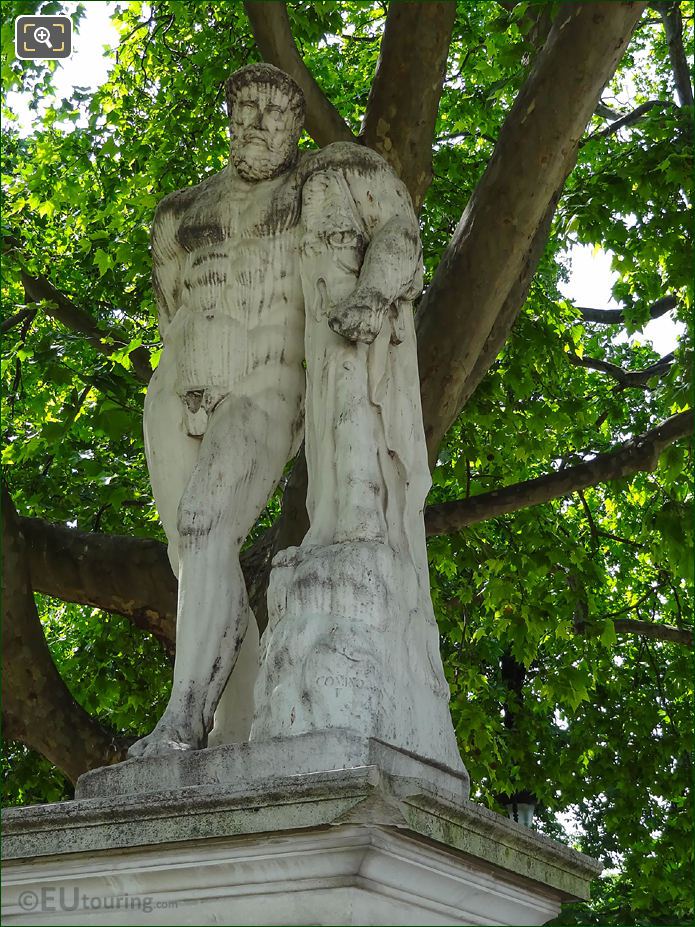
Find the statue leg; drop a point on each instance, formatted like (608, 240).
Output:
(171, 453)
(171, 456)
(240, 461)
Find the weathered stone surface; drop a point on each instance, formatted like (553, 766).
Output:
(223, 409)
(351, 846)
(352, 641)
(259, 765)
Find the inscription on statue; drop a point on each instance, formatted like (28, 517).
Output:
(340, 682)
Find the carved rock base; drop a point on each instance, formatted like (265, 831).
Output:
(347, 646)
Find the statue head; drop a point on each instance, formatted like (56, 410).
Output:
(266, 116)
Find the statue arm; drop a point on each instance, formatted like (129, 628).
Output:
(166, 266)
(392, 266)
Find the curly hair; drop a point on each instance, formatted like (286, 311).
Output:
(263, 73)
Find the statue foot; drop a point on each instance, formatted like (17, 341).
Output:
(166, 738)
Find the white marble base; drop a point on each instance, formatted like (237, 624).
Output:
(353, 874)
(351, 846)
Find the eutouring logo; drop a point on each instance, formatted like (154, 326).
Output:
(53, 899)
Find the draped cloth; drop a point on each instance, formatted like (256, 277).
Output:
(365, 443)
(351, 641)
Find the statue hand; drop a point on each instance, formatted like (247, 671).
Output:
(358, 317)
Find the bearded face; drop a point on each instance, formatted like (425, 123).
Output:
(265, 131)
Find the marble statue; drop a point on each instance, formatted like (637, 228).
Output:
(223, 410)
(286, 260)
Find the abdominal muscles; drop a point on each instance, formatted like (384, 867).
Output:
(241, 318)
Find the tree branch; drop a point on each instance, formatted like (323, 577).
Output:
(404, 96)
(673, 26)
(639, 378)
(128, 576)
(59, 307)
(511, 307)
(639, 454)
(38, 708)
(497, 233)
(273, 35)
(657, 632)
(606, 112)
(616, 316)
(27, 313)
(88, 568)
(125, 575)
(631, 118)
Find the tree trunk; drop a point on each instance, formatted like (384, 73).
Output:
(37, 707)
(493, 246)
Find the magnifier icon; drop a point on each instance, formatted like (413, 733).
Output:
(42, 34)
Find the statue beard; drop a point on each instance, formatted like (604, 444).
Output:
(254, 162)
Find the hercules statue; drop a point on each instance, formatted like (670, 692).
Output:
(223, 413)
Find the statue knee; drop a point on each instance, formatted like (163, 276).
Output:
(199, 519)
(195, 519)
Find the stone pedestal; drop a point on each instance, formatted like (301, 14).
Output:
(251, 834)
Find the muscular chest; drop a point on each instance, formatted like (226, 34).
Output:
(228, 217)
(242, 255)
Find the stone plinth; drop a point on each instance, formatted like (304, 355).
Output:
(357, 845)
(247, 766)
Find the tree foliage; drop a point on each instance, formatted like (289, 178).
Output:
(563, 624)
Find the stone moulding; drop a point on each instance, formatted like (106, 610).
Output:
(362, 795)
(376, 846)
(352, 874)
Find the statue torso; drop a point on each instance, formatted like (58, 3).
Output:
(240, 317)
